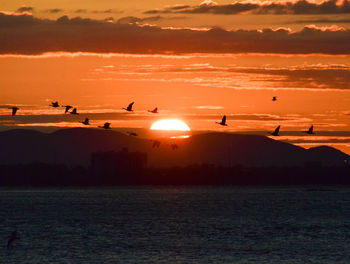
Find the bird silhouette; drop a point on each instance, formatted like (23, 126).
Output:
(276, 132)
(174, 146)
(67, 108)
(74, 112)
(54, 104)
(154, 111)
(12, 238)
(156, 143)
(310, 131)
(223, 121)
(132, 134)
(14, 110)
(86, 122)
(274, 98)
(106, 126)
(129, 108)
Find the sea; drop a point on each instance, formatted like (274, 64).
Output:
(176, 225)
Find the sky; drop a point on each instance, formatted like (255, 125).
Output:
(195, 61)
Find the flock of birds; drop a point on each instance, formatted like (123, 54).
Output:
(276, 132)
(107, 125)
(129, 108)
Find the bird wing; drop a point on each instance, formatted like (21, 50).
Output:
(130, 105)
(277, 130)
(14, 110)
(223, 119)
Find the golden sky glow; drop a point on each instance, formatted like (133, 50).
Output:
(195, 61)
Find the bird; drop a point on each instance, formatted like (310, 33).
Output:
(274, 98)
(276, 132)
(68, 107)
(223, 121)
(54, 104)
(86, 122)
(156, 143)
(174, 146)
(74, 112)
(310, 131)
(14, 110)
(12, 238)
(106, 126)
(129, 108)
(132, 134)
(154, 111)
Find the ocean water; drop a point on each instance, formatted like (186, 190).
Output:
(176, 225)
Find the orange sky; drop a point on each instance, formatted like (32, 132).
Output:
(193, 63)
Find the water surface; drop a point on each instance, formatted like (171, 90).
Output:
(176, 225)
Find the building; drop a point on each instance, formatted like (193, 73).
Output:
(121, 167)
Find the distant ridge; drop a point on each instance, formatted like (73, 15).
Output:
(75, 145)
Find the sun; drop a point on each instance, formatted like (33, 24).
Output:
(170, 124)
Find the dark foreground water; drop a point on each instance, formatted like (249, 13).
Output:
(176, 225)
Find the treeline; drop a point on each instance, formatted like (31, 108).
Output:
(63, 175)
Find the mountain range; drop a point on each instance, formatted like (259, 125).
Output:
(74, 147)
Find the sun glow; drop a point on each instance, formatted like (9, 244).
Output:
(170, 124)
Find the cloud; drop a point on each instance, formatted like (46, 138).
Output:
(320, 20)
(107, 11)
(25, 34)
(23, 9)
(132, 19)
(254, 7)
(304, 76)
(209, 107)
(55, 10)
(80, 11)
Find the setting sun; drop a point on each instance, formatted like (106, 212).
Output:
(170, 124)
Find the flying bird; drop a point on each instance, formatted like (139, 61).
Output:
(86, 122)
(106, 126)
(67, 108)
(154, 111)
(74, 112)
(12, 238)
(129, 108)
(54, 104)
(14, 110)
(174, 146)
(156, 143)
(310, 131)
(276, 132)
(223, 121)
(274, 98)
(132, 134)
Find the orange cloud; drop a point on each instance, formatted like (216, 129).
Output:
(25, 34)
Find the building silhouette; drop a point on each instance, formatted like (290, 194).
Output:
(121, 167)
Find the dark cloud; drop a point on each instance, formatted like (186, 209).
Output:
(313, 78)
(253, 7)
(107, 11)
(320, 20)
(25, 9)
(80, 11)
(24, 34)
(132, 19)
(55, 10)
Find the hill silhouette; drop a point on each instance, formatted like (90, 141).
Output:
(74, 146)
